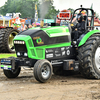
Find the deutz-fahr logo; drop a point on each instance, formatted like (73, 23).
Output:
(38, 40)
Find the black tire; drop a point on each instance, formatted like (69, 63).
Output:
(6, 40)
(87, 55)
(12, 74)
(12, 32)
(39, 69)
(2, 41)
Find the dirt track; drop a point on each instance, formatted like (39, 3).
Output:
(25, 87)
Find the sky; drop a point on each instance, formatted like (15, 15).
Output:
(65, 4)
(2, 2)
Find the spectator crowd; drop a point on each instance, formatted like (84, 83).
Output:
(21, 27)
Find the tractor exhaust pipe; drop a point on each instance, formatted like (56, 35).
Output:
(42, 23)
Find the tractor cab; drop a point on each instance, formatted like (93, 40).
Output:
(87, 16)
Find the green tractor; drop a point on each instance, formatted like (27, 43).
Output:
(52, 50)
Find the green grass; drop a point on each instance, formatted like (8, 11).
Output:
(6, 55)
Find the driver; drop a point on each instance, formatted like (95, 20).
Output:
(79, 28)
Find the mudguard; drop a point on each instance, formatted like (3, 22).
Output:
(84, 38)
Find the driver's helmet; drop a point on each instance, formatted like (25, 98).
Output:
(79, 17)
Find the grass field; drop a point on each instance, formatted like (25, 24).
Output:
(6, 55)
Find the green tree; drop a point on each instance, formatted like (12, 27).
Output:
(25, 7)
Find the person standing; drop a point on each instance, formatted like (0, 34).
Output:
(23, 26)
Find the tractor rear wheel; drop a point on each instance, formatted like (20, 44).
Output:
(89, 57)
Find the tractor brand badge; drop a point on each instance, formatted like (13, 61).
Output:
(38, 40)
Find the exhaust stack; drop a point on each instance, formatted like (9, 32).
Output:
(42, 23)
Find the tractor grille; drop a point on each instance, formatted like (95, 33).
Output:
(32, 52)
(39, 53)
(30, 43)
(20, 48)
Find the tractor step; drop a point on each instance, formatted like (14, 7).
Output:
(71, 65)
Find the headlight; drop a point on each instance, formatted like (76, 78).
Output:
(18, 54)
(19, 42)
(23, 42)
(25, 54)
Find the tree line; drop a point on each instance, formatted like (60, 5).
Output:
(27, 8)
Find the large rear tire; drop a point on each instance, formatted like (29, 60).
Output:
(2, 43)
(42, 70)
(89, 57)
(6, 40)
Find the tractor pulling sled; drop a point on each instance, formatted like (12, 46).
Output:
(52, 50)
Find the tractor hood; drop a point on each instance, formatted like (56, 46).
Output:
(50, 31)
(47, 36)
(34, 42)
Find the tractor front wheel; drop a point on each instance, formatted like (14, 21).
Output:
(12, 73)
(42, 70)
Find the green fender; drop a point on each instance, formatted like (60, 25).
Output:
(84, 39)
